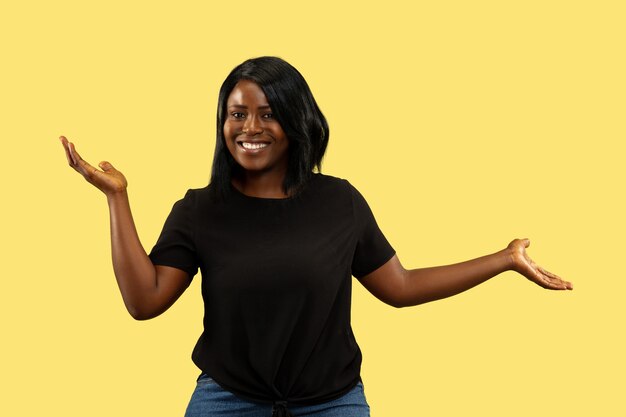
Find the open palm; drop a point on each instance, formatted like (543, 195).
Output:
(108, 180)
(527, 267)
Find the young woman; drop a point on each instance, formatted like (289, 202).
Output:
(277, 245)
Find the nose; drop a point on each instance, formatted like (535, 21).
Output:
(252, 126)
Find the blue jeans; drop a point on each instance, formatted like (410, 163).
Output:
(209, 399)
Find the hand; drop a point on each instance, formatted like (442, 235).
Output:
(110, 181)
(525, 266)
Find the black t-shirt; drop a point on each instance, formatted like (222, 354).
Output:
(276, 284)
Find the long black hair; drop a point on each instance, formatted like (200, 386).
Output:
(293, 106)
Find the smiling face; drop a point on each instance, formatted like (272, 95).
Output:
(253, 136)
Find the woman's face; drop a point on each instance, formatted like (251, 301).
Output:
(253, 136)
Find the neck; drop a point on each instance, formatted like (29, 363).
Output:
(261, 185)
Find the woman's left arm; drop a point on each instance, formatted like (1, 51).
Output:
(399, 287)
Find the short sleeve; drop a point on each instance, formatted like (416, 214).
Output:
(372, 248)
(175, 246)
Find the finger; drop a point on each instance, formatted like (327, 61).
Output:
(568, 285)
(532, 272)
(88, 171)
(106, 166)
(548, 273)
(554, 282)
(543, 277)
(549, 283)
(66, 148)
(75, 156)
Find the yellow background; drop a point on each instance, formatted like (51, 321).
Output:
(464, 124)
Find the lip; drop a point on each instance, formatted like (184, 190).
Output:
(252, 151)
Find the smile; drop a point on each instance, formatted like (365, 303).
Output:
(253, 146)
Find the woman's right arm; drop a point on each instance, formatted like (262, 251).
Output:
(147, 290)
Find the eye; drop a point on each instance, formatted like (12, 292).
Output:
(237, 115)
(268, 116)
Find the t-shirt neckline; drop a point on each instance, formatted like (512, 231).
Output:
(243, 196)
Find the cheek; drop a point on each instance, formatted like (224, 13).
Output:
(228, 142)
(231, 148)
(227, 129)
(229, 133)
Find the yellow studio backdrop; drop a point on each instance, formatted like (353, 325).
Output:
(464, 124)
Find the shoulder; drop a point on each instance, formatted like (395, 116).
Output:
(197, 193)
(338, 192)
(340, 187)
(330, 183)
(194, 198)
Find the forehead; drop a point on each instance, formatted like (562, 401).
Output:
(247, 93)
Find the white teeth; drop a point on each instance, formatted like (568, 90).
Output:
(249, 145)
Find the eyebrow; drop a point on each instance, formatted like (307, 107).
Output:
(241, 106)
